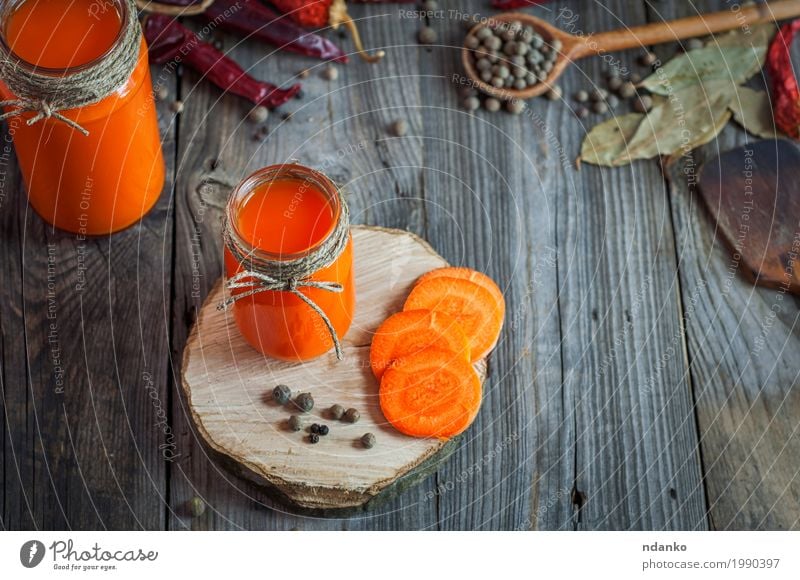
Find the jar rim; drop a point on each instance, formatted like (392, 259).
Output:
(125, 14)
(292, 170)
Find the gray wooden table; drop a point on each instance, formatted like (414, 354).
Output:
(638, 383)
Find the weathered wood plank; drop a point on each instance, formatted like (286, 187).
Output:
(622, 449)
(83, 447)
(18, 437)
(484, 197)
(744, 348)
(624, 366)
(339, 128)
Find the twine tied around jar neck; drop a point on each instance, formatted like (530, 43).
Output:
(46, 94)
(261, 274)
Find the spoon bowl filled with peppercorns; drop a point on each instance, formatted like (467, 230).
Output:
(518, 56)
(513, 56)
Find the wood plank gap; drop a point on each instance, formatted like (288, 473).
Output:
(171, 383)
(690, 379)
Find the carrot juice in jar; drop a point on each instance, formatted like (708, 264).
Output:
(288, 232)
(94, 183)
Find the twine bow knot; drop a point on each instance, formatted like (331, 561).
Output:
(42, 109)
(255, 282)
(261, 274)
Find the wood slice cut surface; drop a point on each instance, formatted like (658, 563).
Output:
(228, 387)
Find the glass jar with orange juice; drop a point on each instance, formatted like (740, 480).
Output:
(289, 262)
(94, 168)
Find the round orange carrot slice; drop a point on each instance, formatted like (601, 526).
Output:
(430, 394)
(471, 305)
(479, 278)
(411, 331)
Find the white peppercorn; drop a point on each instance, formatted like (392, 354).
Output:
(472, 104)
(648, 59)
(399, 128)
(483, 33)
(493, 43)
(304, 402)
(330, 73)
(258, 114)
(351, 416)
(643, 104)
(515, 106)
(161, 93)
(627, 90)
(281, 394)
(554, 93)
(197, 506)
(426, 35)
(295, 423)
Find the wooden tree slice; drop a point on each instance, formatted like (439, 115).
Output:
(228, 387)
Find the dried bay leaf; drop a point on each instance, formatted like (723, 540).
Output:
(687, 119)
(734, 64)
(707, 135)
(606, 142)
(752, 110)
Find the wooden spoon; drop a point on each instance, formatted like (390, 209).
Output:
(576, 47)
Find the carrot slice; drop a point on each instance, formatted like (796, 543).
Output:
(471, 305)
(479, 278)
(430, 394)
(411, 331)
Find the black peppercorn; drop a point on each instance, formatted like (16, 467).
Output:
(313, 438)
(323, 430)
(315, 428)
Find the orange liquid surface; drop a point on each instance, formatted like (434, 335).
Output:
(285, 216)
(282, 218)
(106, 181)
(62, 33)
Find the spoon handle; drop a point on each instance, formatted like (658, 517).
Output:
(669, 31)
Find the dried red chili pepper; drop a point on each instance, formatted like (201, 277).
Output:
(168, 39)
(785, 90)
(320, 13)
(511, 4)
(252, 18)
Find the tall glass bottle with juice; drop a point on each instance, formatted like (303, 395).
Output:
(96, 183)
